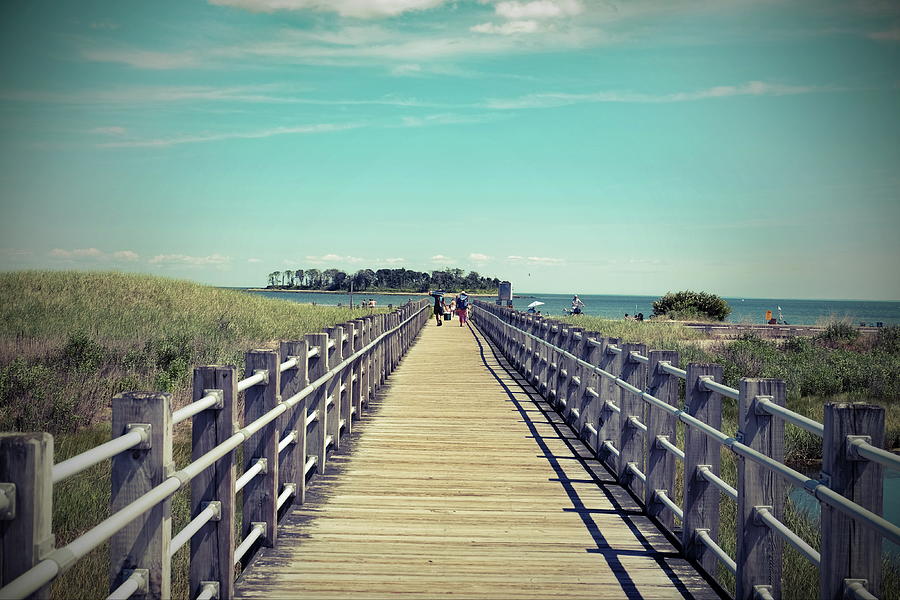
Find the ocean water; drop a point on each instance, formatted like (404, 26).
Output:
(747, 310)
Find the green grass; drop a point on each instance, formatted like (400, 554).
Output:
(69, 341)
(834, 366)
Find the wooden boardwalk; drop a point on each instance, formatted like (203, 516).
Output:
(461, 482)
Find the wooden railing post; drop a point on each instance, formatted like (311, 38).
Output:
(632, 444)
(368, 367)
(143, 543)
(26, 482)
(758, 555)
(851, 551)
(359, 392)
(701, 498)
(292, 460)
(572, 345)
(316, 433)
(212, 547)
(587, 408)
(261, 493)
(347, 407)
(609, 419)
(333, 418)
(543, 361)
(661, 425)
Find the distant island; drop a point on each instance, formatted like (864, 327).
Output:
(382, 281)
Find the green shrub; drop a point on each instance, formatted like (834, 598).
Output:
(82, 354)
(692, 304)
(837, 335)
(888, 340)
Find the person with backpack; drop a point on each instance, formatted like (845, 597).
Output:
(462, 308)
(438, 306)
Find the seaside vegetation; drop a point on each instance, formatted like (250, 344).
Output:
(835, 365)
(687, 306)
(70, 341)
(382, 280)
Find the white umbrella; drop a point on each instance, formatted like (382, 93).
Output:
(535, 303)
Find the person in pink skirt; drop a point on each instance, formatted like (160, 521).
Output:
(462, 308)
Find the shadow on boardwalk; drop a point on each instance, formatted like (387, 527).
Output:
(462, 482)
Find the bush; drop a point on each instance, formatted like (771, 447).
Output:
(837, 335)
(687, 303)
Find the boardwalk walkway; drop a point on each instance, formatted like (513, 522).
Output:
(461, 482)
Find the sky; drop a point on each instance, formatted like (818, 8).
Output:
(745, 148)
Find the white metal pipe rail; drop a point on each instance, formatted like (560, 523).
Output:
(137, 581)
(212, 512)
(858, 447)
(814, 487)
(85, 460)
(61, 559)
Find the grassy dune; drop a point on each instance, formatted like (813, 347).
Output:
(70, 341)
(835, 366)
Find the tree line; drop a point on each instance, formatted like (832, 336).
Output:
(380, 280)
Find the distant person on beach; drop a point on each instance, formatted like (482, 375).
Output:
(627, 318)
(438, 306)
(640, 316)
(577, 305)
(462, 308)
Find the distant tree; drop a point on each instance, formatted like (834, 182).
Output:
(298, 278)
(313, 279)
(364, 279)
(273, 278)
(340, 281)
(289, 277)
(692, 305)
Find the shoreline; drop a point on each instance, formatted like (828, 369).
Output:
(346, 293)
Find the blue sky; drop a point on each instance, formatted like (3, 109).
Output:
(747, 148)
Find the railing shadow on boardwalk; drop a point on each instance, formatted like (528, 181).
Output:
(626, 404)
(583, 455)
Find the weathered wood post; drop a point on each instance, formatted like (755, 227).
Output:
(758, 555)
(573, 343)
(609, 419)
(368, 362)
(540, 375)
(356, 399)
(661, 426)
(851, 551)
(334, 385)
(26, 485)
(347, 349)
(292, 459)
(589, 405)
(316, 432)
(260, 500)
(212, 547)
(632, 440)
(701, 498)
(143, 543)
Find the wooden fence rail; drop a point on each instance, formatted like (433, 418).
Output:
(625, 404)
(300, 401)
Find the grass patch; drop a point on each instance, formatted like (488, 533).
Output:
(70, 341)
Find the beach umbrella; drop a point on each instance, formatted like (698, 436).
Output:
(535, 303)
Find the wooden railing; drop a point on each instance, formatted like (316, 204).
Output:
(299, 402)
(625, 403)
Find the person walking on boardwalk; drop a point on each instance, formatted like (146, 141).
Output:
(462, 308)
(438, 306)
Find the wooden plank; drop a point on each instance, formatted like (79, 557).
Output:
(458, 482)
(144, 542)
(212, 548)
(26, 461)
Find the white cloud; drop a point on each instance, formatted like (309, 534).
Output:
(94, 254)
(333, 258)
(194, 261)
(552, 100)
(216, 137)
(544, 260)
(514, 257)
(508, 28)
(254, 260)
(112, 130)
(128, 255)
(538, 9)
(891, 35)
(144, 59)
(362, 9)
(479, 257)
(441, 259)
(394, 261)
